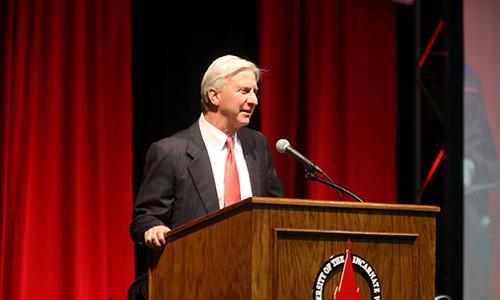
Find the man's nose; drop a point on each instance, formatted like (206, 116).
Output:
(253, 99)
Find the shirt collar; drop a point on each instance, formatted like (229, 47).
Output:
(213, 136)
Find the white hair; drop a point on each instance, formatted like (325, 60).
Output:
(222, 69)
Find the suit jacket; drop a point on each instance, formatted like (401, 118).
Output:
(179, 186)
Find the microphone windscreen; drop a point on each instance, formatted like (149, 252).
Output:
(281, 145)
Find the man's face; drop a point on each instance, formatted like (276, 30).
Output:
(238, 99)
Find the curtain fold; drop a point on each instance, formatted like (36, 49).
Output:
(330, 89)
(66, 149)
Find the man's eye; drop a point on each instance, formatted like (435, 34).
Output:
(247, 91)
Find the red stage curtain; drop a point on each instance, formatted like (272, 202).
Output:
(330, 89)
(66, 149)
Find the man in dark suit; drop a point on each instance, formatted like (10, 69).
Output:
(211, 164)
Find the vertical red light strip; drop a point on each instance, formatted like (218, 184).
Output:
(422, 59)
(438, 159)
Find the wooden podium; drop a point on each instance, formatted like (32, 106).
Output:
(273, 248)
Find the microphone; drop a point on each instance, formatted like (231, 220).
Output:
(283, 146)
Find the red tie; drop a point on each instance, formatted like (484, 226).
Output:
(231, 178)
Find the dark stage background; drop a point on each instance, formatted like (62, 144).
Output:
(87, 86)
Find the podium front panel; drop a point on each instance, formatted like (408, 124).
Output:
(267, 248)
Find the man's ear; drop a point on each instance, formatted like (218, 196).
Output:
(214, 96)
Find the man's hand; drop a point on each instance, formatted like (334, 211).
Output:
(155, 237)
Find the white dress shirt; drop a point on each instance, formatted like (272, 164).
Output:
(215, 141)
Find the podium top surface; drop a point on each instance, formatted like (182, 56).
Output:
(342, 204)
(254, 202)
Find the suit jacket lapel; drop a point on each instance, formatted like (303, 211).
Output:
(250, 153)
(201, 170)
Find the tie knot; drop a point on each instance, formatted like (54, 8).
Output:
(230, 142)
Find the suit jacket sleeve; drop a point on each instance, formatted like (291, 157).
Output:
(155, 199)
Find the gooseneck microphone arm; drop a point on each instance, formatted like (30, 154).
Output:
(310, 175)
